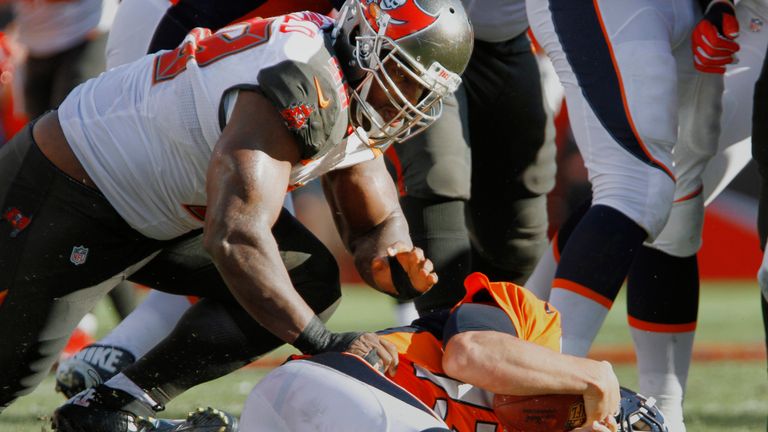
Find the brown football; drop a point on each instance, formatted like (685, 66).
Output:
(541, 413)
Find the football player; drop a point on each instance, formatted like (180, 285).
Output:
(500, 339)
(492, 147)
(118, 182)
(661, 332)
(132, 32)
(632, 100)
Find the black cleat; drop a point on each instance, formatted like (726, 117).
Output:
(208, 420)
(102, 409)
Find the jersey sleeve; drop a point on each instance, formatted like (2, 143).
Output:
(477, 317)
(311, 97)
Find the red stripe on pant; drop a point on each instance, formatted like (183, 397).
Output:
(661, 328)
(583, 291)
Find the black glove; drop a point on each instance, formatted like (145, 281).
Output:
(316, 338)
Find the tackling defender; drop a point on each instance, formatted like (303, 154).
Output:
(245, 104)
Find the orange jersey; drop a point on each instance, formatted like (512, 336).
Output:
(462, 406)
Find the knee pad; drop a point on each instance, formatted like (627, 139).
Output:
(646, 197)
(681, 236)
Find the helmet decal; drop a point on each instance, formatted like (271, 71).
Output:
(406, 16)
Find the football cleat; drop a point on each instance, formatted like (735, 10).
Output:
(639, 413)
(208, 420)
(103, 409)
(91, 366)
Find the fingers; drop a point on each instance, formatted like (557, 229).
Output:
(380, 353)
(714, 48)
(730, 26)
(391, 349)
(421, 270)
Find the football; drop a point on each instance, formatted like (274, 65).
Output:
(540, 413)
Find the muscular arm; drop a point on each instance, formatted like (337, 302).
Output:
(365, 207)
(247, 178)
(503, 364)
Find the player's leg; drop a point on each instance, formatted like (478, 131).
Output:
(133, 337)
(215, 336)
(615, 61)
(513, 159)
(663, 284)
(433, 174)
(56, 261)
(132, 29)
(333, 392)
(540, 282)
(37, 85)
(760, 153)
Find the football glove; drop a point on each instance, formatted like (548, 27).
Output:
(713, 38)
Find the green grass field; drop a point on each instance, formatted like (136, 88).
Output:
(722, 396)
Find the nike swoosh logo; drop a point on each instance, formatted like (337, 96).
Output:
(321, 99)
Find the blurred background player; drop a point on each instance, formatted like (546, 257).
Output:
(58, 37)
(474, 188)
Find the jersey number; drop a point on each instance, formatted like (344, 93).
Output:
(207, 48)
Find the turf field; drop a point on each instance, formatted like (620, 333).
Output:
(723, 395)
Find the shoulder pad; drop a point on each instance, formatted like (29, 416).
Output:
(312, 99)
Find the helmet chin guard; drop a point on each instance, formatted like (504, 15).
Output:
(427, 41)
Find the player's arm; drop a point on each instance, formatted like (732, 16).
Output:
(482, 349)
(246, 183)
(365, 207)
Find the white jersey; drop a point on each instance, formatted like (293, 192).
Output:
(496, 20)
(47, 27)
(145, 131)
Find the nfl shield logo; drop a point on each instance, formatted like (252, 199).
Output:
(755, 25)
(79, 255)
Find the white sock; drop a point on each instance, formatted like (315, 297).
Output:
(148, 324)
(581, 319)
(540, 281)
(122, 382)
(89, 324)
(405, 313)
(663, 361)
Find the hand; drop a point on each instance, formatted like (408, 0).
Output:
(602, 399)
(380, 353)
(607, 425)
(713, 38)
(414, 277)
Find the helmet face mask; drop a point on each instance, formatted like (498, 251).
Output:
(639, 413)
(383, 58)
